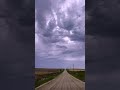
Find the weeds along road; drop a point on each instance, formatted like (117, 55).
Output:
(63, 82)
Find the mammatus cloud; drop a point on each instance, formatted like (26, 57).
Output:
(59, 33)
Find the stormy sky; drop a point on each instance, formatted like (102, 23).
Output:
(102, 44)
(17, 27)
(59, 33)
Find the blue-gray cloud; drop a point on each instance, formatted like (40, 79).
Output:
(60, 33)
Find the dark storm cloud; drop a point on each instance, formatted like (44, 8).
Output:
(106, 81)
(59, 46)
(77, 36)
(102, 17)
(42, 7)
(59, 28)
(16, 44)
(68, 25)
(102, 44)
(102, 62)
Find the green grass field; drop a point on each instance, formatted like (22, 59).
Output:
(41, 79)
(78, 74)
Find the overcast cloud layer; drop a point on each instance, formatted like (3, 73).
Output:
(17, 44)
(59, 33)
(102, 44)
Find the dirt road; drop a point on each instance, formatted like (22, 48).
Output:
(63, 82)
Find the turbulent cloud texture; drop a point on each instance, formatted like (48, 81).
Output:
(59, 33)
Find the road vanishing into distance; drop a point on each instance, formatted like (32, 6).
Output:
(63, 82)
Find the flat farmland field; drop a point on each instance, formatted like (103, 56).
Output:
(46, 70)
(43, 75)
(76, 69)
(79, 74)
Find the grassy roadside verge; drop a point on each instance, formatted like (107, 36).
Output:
(45, 78)
(78, 74)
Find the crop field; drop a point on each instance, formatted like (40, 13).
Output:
(76, 69)
(78, 74)
(43, 75)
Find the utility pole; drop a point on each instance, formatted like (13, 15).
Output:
(73, 67)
